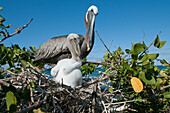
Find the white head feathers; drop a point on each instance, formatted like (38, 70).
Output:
(93, 9)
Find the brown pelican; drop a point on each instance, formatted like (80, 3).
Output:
(67, 71)
(56, 49)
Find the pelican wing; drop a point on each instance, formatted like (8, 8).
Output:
(56, 46)
(52, 48)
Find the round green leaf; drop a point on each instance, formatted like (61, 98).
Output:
(137, 48)
(147, 78)
(10, 99)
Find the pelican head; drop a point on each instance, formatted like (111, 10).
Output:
(73, 45)
(90, 21)
(93, 9)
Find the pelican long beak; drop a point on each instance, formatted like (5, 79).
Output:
(90, 34)
(76, 47)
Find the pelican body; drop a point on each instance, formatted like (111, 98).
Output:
(56, 48)
(67, 71)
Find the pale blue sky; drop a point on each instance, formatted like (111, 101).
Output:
(122, 21)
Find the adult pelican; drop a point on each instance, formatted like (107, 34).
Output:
(56, 48)
(67, 71)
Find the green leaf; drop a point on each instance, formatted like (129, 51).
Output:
(161, 44)
(8, 26)
(158, 82)
(144, 57)
(3, 33)
(145, 62)
(152, 56)
(147, 78)
(2, 19)
(32, 85)
(110, 90)
(157, 41)
(24, 63)
(163, 73)
(166, 95)
(127, 51)
(137, 48)
(11, 63)
(10, 100)
(145, 47)
(135, 57)
(164, 62)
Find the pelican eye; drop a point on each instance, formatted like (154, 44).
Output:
(91, 10)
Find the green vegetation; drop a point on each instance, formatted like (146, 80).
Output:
(140, 64)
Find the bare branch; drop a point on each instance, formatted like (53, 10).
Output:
(18, 30)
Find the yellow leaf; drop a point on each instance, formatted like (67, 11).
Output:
(136, 84)
(38, 111)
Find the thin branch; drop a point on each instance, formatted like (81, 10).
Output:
(103, 42)
(162, 76)
(149, 45)
(98, 63)
(164, 87)
(17, 31)
(96, 81)
(144, 100)
(110, 44)
(4, 83)
(107, 48)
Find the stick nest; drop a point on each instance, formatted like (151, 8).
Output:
(46, 95)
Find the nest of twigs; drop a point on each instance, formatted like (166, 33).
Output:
(52, 97)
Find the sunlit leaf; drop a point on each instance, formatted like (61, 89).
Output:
(163, 73)
(164, 62)
(161, 44)
(153, 56)
(40, 110)
(8, 26)
(24, 63)
(166, 95)
(145, 62)
(136, 84)
(137, 48)
(144, 57)
(10, 99)
(158, 82)
(110, 90)
(147, 78)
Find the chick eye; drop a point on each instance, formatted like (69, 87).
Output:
(91, 10)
